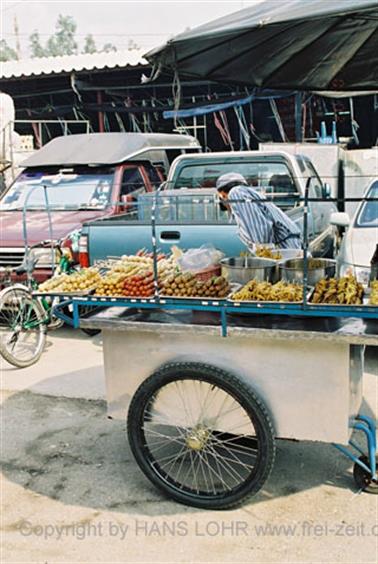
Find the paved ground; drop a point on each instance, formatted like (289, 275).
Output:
(71, 491)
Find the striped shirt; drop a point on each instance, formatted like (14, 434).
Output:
(262, 222)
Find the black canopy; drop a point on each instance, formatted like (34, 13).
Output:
(290, 44)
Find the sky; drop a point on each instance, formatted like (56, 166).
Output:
(148, 23)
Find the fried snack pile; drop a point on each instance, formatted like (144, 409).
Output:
(267, 252)
(127, 277)
(85, 279)
(374, 293)
(267, 292)
(187, 285)
(111, 284)
(346, 291)
(313, 264)
(133, 265)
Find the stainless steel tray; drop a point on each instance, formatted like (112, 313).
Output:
(365, 302)
(270, 302)
(194, 298)
(63, 294)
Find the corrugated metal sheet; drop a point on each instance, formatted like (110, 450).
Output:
(70, 63)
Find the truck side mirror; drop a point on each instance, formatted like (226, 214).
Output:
(340, 219)
(326, 190)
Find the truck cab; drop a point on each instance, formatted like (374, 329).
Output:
(281, 177)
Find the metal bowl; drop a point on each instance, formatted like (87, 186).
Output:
(242, 269)
(317, 268)
(290, 254)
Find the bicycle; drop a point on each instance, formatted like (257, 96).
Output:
(24, 318)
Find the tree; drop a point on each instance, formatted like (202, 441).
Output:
(6, 52)
(108, 48)
(36, 48)
(63, 41)
(89, 44)
(132, 45)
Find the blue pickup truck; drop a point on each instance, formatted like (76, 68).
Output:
(188, 212)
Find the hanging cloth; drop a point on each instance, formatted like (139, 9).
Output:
(277, 117)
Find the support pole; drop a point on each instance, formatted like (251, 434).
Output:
(101, 127)
(298, 117)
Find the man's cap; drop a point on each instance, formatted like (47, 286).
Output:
(229, 177)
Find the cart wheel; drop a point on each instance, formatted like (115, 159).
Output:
(363, 479)
(201, 435)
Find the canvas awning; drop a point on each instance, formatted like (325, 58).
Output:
(297, 44)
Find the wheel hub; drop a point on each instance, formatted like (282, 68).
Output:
(197, 438)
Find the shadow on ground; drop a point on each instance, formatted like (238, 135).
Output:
(66, 449)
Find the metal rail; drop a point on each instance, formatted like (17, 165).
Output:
(221, 306)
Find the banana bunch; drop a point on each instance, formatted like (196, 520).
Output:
(374, 293)
(338, 291)
(266, 292)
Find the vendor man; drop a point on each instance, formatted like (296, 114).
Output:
(261, 222)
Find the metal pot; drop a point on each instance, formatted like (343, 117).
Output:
(242, 269)
(292, 270)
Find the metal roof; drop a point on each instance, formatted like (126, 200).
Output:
(70, 63)
(105, 148)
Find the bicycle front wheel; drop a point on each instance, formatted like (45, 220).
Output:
(22, 327)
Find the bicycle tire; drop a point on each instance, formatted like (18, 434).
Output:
(17, 309)
(141, 413)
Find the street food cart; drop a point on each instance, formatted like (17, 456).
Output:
(209, 379)
(207, 387)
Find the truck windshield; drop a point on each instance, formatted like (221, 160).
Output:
(65, 191)
(368, 216)
(273, 179)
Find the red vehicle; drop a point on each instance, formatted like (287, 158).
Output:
(84, 177)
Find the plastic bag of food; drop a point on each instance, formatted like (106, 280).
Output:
(196, 260)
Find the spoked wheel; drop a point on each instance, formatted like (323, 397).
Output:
(201, 435)
(22, 327)
(363, 479)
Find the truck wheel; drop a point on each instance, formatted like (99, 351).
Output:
(90, 332)
(86, 311)
(201, 435)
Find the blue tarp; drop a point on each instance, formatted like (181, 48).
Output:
(210, 108)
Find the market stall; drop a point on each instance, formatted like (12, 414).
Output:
(212, 365)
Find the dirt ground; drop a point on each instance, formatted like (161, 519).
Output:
(71, 491)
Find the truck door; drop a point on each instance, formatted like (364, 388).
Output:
(320, 211)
